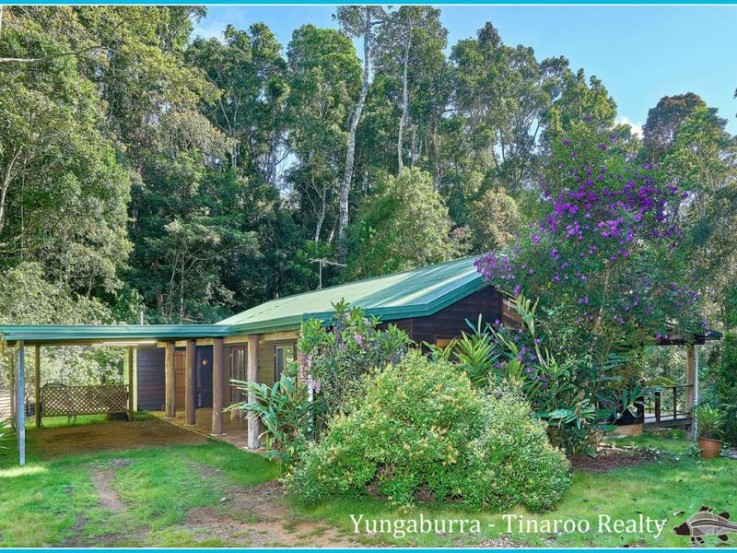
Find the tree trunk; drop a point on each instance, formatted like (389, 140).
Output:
(405, 96)
(345, 187)
(435, 155)
(321, 216)
(5, 186)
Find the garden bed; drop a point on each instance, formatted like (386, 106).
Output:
(609, 458)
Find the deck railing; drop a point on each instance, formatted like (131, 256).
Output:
(670, 402)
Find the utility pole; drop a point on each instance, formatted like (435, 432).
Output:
(322, 261)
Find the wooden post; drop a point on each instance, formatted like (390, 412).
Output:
(170, 384)
(20, 394)
(11, 370)
(190, 391)
(217, 386)
(692, 393)
(131, 387)
(37, 367)
(253, 422)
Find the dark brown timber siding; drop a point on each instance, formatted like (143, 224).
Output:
(151, 379)
(451, 321)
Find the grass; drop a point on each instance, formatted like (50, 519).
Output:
(671, 488)
(54, 502)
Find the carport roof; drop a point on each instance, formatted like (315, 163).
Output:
(107, 333)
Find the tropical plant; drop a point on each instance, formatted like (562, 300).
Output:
(475, 353)
(710, 421)
(284, 412)
(563, 395)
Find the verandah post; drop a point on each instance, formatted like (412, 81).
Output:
(253, 423)
(20, 395)
(170, 381)
(37, 374)
(189, 383)
(131, 389)
(692, 392)
(217, 385)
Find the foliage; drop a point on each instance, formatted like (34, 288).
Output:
(493, 220)
(664, 120)
(404, 227)
(565, 395)
(512, 461)
(721, 384)
(335, 359)
(4, 435)
(284, 412)
(607, 248)
(710, 421)
(421, 429)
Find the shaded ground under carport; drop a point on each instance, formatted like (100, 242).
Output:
(79, 439)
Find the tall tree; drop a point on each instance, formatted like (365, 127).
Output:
(664, 120)
(63, 188)
(702, 160)
(325, 80)
(404, 226)
(410, 56)
(251, 77)
(361, 22)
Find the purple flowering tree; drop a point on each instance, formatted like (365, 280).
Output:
(604, 256)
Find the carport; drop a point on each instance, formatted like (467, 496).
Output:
(77, 400)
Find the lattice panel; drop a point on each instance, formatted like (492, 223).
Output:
(83, 400)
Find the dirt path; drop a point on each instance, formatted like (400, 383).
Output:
(109, 498)
(259, 517)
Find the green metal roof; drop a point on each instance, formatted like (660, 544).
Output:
(416, 293)
(112, 333)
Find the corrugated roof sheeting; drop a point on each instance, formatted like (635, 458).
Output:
(416, 293)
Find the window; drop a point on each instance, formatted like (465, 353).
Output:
(283, 355)
(238, 370)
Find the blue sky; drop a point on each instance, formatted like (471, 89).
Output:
(641, 53)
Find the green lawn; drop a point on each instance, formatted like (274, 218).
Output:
(187, 495)
(673, 488)
(55, 502)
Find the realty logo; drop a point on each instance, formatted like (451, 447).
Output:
(706, 523)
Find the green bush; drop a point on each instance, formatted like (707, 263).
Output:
(724, 378)
(512, 462)
(338, 357)
(422, 431)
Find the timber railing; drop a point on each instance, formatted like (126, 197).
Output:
(670, 403)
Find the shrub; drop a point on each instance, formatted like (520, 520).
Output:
(284, 412)
(564, 395)
(338, 357)
(512, 462)
(422, 430)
